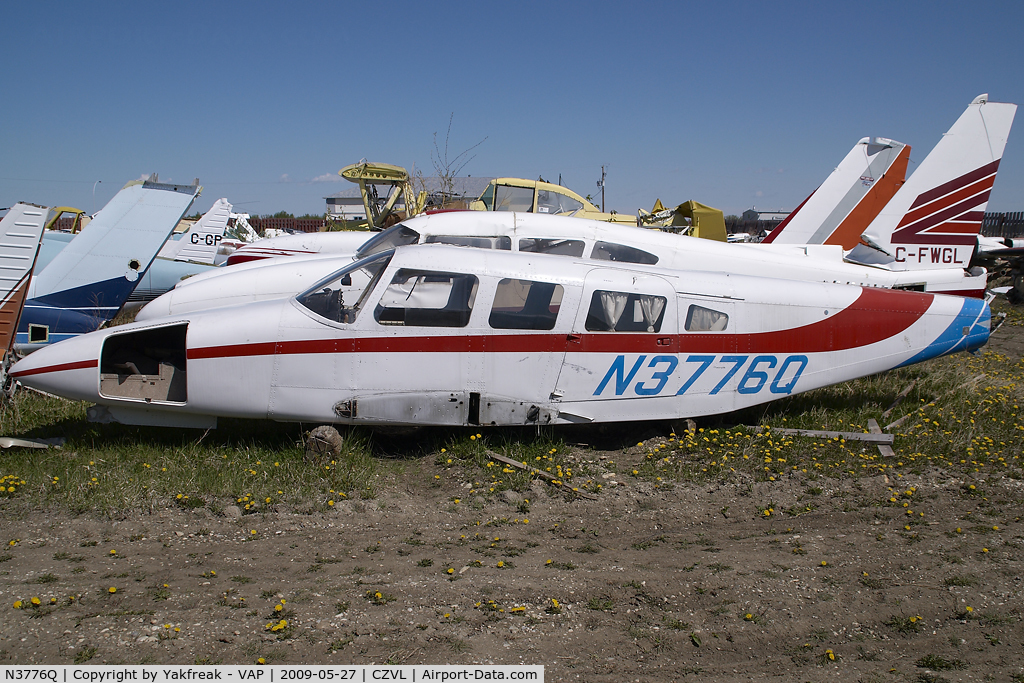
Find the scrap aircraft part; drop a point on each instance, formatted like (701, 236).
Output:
(381, 211)
(934, 219)
(436, 334)
(200, 242)
(21, 230)
(88, 282)
(850, 198)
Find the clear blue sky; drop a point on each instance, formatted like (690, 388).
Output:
(732, 104)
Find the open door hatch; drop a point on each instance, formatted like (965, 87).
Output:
(145, 365)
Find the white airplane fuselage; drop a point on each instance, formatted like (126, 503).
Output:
(439, 335)
(575, 237)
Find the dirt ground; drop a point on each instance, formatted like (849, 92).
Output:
(646, 583)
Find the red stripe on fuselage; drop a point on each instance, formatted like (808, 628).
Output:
(77, 365)
(877, 314)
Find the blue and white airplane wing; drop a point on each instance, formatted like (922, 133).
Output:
(86, 284)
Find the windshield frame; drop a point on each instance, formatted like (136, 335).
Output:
(384, 256)
(388, 239)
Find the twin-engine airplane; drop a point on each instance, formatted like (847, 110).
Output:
(442, 335)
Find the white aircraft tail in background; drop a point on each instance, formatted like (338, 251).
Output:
(200, 242)
(850, 198)
(20, 233)
(934, 220)
(86, 284)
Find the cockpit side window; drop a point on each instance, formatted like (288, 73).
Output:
(340, 297)
(502, 242)
(422, 298)
(625, 312)
(525, 305)
(700, 319)
(396, 236)
(608, 251)
(558, 247)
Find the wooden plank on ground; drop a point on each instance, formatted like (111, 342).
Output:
(544, 475)
(821, 434)
(885, 449)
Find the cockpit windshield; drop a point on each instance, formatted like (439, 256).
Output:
(340, 296)
(396, 236)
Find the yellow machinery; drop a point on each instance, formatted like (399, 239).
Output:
(381, 207)
(689, 218)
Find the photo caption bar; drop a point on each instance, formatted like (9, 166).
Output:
(361, 673)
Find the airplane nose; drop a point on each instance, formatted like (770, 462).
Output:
(69, 368)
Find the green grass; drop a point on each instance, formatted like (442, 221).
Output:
(115, 468)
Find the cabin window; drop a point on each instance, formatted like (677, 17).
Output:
(423, 298)
(556, 202)
(341, 296)
(38, 334)
(606, 251)
(503, 242)
(396, 236)
(700, 319)
(525, 305)
(625, 312)
(507, 198)
(552, 246)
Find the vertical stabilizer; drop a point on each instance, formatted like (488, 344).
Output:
(850, 198)
(86, 284)
(199, 243)
(935, 218)
(20, 232)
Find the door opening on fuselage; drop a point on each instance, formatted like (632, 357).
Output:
(145, 365)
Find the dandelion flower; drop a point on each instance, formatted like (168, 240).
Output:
(112, 589)
(17, 604)
(451, 570)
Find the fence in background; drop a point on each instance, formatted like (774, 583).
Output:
(1003, 224)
